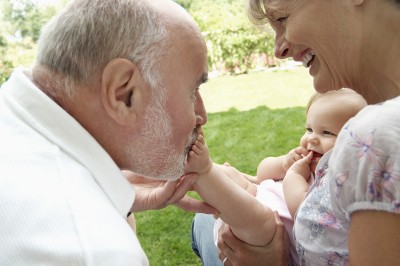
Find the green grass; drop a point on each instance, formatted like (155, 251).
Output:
(275, 89)
(250, 118)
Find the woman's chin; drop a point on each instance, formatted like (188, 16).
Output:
(323, 82)
(319, 86)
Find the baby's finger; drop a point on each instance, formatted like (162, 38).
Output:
(297, 157)
(302, 151)
(309, 157)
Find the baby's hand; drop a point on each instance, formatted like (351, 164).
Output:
(302, 166)
(293, 156)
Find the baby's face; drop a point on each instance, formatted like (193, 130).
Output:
(322, 128)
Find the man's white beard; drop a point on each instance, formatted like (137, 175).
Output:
(152, 153)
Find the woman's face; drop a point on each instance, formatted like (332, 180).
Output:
(315, 32)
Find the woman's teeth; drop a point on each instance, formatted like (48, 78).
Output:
(307, 59)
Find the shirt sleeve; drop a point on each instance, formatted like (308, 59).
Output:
(365, 163)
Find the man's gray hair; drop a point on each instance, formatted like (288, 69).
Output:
(81, 40)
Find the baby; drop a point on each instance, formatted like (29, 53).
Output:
(248, 207)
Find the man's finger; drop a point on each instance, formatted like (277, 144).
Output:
(193, 205)
(181, 189)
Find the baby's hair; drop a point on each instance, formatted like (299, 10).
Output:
(311, 101)
(348, 97)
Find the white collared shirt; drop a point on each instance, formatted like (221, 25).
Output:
(63, 201)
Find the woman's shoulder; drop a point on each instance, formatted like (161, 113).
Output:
(389, 106)
(383, 116)
(369, 140)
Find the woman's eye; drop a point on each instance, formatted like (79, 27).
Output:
(281, 19)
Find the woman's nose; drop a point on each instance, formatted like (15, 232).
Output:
(282, 48)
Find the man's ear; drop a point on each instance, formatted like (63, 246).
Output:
(120, 88)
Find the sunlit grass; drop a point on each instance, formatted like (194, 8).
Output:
(274, 89)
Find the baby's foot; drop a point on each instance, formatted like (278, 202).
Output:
(198, 157)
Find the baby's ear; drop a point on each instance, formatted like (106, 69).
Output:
(122, 90)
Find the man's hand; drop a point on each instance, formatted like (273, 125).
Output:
(240, 253)
(157, 194)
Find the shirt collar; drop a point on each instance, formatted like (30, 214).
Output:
(38, 111)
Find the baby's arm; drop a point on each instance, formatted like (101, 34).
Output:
(295, 185)
(275, 167)
(250, 221)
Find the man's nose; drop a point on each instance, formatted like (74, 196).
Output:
(200, 111)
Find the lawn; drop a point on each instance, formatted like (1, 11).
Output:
(274, 89)
(250, 117)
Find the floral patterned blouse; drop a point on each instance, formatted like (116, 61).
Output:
(363, 174)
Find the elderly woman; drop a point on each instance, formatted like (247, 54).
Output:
(351, 213)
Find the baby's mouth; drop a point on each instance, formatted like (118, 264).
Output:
(316, 156)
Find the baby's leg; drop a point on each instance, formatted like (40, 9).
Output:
(240, 179)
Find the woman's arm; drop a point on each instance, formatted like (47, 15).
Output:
(374, 238)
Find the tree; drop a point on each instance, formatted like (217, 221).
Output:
(185, 3)
(20, 26)
(234, 44)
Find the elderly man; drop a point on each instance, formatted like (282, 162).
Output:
(115, 87)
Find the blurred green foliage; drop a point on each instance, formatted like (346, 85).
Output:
(235, 45)
(20, 24)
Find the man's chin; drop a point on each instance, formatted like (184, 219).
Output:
(170, 174)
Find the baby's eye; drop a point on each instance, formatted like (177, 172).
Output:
(309, 130)
(325, 132)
